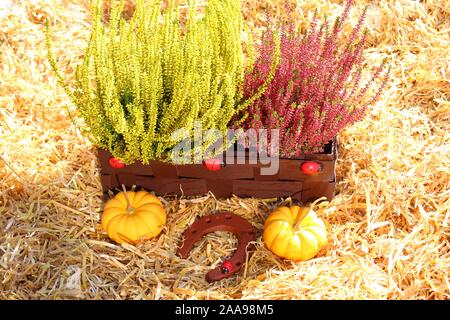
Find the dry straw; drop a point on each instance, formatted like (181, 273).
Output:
(388, 225)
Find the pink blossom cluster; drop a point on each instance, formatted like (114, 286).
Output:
(317, 88)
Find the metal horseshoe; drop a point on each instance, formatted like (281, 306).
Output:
(221, 221)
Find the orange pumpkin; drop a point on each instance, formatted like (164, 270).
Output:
(294, 233)
(131, 217)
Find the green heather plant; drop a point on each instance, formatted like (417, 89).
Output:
(142, 80)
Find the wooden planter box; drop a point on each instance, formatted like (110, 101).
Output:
(243, 180)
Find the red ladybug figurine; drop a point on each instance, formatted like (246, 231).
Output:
(213, 164)
(311, 167)
(116, 163)
(227, 266)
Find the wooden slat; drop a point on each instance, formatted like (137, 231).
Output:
(162, 186)
(164, 170)
(135, 168)
(266, 189)
(312, 190)
(232, 171)
(126, 179)
(259, 177)
(221, 188)
(108, 182)
(291, 170)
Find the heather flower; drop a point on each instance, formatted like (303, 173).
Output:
(317, 89)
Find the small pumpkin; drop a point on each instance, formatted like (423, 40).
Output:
(294, 233)
(131, 217)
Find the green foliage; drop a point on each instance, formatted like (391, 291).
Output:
(143, 79)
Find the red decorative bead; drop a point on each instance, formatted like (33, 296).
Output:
(227, 266)
(116, 163)
(311, 167)
(213, 164)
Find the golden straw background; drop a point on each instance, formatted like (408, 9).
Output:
(388, 224)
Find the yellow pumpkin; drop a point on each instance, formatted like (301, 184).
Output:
(133, 216)
(294, 233)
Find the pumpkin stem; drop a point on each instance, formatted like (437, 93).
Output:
(129, 206)
(300, 218)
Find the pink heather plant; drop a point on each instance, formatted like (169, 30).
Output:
(317, 88)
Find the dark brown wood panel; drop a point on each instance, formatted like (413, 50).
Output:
(266, 189)
(232, 171)
(135, 168)
(108, 182)
(164, 170)
(126, 179)
(259, 177)
(103, 157)
(221, 188)
(312, 190)
(291, 170)
(161, 186)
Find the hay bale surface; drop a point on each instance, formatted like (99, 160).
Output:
(388, 225)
